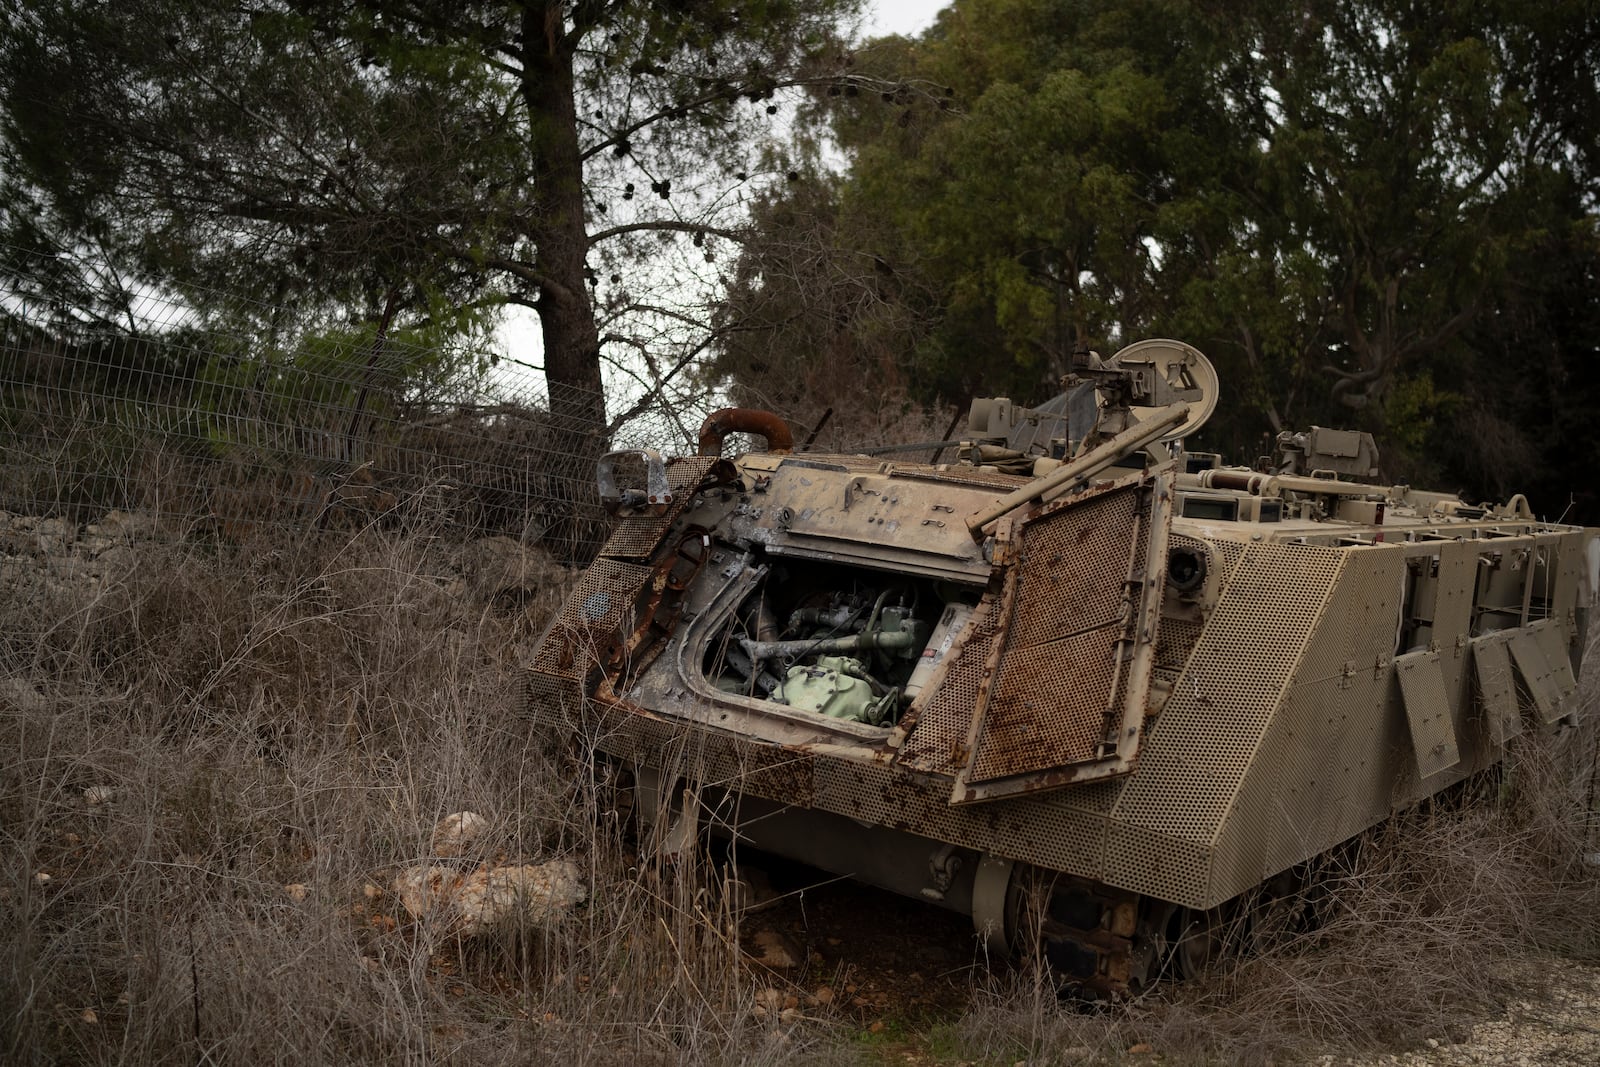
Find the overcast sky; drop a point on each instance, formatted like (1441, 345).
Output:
(901, 16)
(519, 331)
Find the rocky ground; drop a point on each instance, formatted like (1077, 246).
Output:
(1561, 1027)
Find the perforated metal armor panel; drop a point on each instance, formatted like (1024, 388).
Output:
(1198, 748)
(1452, 631)
(591, 620)
(1571, 566)
(1553, 641)
(1433, 733)
(938, 742)
(1497, 687)
(1057, 684)
(1325, 767)
(1537, 674)
(636, 536)
(1052, 706)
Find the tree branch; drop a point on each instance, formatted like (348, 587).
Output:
(667, 313)
(666, 224)
(501, 65)
(650, 396)
(732, 91)
(531, 275)
(586, 15)
(677, 111)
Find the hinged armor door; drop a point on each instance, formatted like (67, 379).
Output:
(1065, 694)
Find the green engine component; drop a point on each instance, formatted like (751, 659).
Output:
(899, 620)
(834, 687)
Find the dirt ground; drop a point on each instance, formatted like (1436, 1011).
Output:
(881, 956)
(896, 970)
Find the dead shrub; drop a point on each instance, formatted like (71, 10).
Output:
(214, 761)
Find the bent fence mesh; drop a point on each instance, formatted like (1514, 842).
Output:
(226, 431)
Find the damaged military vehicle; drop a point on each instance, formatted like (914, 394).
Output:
(1074, 662)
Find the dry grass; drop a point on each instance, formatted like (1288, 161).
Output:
(303, 713)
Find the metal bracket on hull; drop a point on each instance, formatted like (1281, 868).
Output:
(1433, 731)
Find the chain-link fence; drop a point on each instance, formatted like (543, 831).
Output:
(224, 426)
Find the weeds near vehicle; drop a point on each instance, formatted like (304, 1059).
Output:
(213, 761)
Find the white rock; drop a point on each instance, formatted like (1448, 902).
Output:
(128, 525)
(53, 535)
(457, 832)
(491, 897)
(97, 795)
(774, 950)
(116, 561)
(530, 893)
(750, 890)
(423, 891)
(22, 696)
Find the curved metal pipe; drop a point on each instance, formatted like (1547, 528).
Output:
(719, 424)
(889, 640)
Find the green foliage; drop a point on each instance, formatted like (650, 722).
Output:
(1036, 198)
(1413, 410)
(235, 398)
(323, 159)
(1341, 203)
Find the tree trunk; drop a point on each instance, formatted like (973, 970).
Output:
(559, 229)
(575, 526)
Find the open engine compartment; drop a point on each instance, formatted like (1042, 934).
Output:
(842, 642)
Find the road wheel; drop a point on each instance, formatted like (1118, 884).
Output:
(1198, 939)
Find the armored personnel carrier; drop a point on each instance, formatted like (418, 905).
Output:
(1075, 681)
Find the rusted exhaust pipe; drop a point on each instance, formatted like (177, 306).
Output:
(719, 424)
